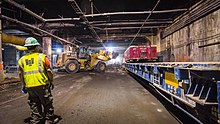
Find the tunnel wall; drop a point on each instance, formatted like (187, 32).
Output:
(9, 56)
(187, 44)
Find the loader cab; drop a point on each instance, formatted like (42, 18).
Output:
(84, 53)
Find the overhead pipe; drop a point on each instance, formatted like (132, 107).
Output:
(144, 27)
(22, 7)
(116, 35)
(138, 20)
(62, 19)
(133, 13)
(12, 39)
(55, 25)
(125, 35)
(133, 23)
(35, 28)
(78, 11)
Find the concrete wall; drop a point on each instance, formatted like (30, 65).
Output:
(155, 40)
(183, 45)
(9, 56)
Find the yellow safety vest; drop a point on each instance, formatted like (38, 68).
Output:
(34, 70)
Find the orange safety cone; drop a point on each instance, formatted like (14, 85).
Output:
(2, 73)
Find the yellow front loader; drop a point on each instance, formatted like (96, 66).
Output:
(72, 63)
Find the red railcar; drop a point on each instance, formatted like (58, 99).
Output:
(140, 53)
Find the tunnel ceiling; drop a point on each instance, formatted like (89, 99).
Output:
(110, 22)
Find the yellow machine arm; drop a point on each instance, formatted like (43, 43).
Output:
(21, 48)
(105, 56)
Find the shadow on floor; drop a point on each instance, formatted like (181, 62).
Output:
(57, 117)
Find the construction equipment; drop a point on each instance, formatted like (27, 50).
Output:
(72, 62)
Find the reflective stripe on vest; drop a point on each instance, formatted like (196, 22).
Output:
(40, 63)
(33, 68)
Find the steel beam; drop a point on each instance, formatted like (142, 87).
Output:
(22, 7)
(137, 20)
(196, 12)
(35, 28)
(135, 13)
(133, 23)
(116, 36)
(144, 27)
(85, 20)
(62, 19)
(55, 25)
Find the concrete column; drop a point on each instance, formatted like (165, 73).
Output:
(1, 62)
(159, 43)
(47, 44)
(66, 47)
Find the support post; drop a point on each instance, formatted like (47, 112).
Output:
(66, 47)
(47, 46)
(218, 98)
(1, 62)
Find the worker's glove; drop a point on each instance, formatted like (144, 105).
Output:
(23, 89)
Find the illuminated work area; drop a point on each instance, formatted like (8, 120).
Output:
(109, 61)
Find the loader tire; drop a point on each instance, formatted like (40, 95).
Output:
(101, 67)
(72, 66)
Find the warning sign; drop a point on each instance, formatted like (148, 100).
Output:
(170, 79)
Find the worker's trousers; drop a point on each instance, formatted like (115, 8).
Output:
(40, 97)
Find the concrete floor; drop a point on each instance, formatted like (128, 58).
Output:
(90, 98)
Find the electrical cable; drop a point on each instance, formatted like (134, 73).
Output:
(144, 22)
(96, 8)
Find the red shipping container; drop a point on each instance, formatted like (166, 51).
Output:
(140, 53)
(153, 52)
(134, 52)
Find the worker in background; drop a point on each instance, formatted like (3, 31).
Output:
(36, 76)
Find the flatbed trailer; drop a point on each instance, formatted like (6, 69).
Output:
(193, 87)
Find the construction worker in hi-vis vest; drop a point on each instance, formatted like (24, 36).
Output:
(36, 75)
